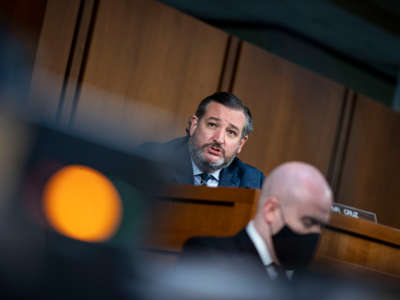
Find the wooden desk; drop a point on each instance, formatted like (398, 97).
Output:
(361, 246)
(184, 211)
(347, 243)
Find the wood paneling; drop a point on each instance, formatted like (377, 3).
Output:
(230, 64)
(371, 172)
(52, 56)
(342, 140)
(374, 247)
(79, 49)
(296, 112)
(151, 63)
(146, 66)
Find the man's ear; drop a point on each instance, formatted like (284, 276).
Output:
(242, 142)
(193, 124)
(271, 210)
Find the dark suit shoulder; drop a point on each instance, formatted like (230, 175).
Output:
(161, 147)
(234, 255)
(241, 174)
(246, 168)
(175, 157)
(200, 244)
(171, 152)
(237, 243)
(208, 250)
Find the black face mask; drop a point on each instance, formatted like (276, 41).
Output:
(293, 250)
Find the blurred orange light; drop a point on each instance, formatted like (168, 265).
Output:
(83, 204)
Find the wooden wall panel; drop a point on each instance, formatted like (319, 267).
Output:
(146, 57)
(348, 243)
(81, 42)
(52, 56)
(228, 72)
(342, 139)
(296, 112)
(371, 172)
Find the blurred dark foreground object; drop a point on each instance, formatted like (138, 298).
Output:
(37, 262)
(198, 280)
(72, 269)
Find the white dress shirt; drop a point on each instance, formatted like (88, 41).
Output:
(212, 182)
(263, 252)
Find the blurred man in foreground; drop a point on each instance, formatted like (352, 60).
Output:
(293, 206)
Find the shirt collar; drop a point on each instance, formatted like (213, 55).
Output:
(197, 171)
(259, 244)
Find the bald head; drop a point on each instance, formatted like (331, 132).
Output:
(294, 182)
(296, 194)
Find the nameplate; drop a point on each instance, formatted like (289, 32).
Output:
(354, 212)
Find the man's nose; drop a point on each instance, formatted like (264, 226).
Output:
(219, 136)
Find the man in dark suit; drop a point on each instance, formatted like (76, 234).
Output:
(216, 133)
(294, 204)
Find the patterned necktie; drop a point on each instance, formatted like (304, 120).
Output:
(204, 178)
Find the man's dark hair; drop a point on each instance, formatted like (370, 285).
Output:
(228, 100)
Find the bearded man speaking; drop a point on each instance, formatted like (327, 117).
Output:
(216, 133)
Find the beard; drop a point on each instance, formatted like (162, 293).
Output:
(196, 152)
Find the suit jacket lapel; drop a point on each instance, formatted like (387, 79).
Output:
(249, 252)
(244, 243)
(181, 176)
(229, 176)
